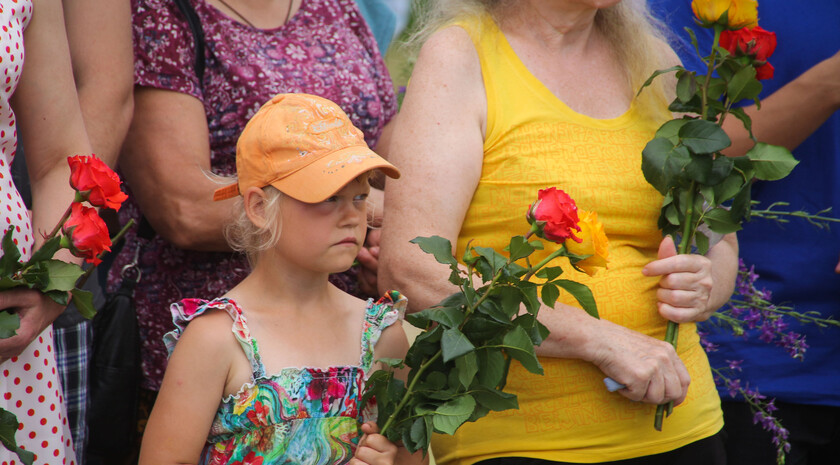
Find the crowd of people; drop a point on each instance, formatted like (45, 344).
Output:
(259, 142)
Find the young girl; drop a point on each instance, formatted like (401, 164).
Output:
(285, 351)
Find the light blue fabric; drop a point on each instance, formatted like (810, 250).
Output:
(796, 260)
(382, 21)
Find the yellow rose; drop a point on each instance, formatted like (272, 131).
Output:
(739, 13)
(594, 242)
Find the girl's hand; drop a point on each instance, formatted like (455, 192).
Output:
(686, 284)
(374, 449)
(36, 312)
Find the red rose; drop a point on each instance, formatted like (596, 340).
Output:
(90, 175)
(555, 214)
(87, 232)
(753, 42)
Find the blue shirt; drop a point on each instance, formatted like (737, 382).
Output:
(795, 260)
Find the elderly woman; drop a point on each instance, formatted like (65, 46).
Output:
(508, 97)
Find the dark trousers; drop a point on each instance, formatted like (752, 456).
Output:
(708, 451)
(814, 435)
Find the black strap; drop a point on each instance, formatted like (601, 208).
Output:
(198, 33)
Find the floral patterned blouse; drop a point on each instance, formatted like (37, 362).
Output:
(301, 416)
(325, 49)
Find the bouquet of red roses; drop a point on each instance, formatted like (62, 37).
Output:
(80, 230)
(84, 234)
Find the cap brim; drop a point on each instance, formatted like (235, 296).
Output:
(321, 179)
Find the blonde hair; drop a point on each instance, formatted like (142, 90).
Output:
(638, 38)
(244, 236)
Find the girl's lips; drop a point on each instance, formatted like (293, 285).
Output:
(349, 240)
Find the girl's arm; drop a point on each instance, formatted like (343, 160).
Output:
(191, 392)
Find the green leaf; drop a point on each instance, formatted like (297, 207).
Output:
(671, 130)
(494, 311)
(83, 300)
(496, 400)
(657, 73)
(59, 297)
(549, 273)
(418, 434)
(518, 345)
(495, 259)
(454, 344)
(391, 362)
(728, 188)
(702, 242)
(686, 86)
(702, 136)
(491, 366)
(451, 415)
(519, 248)
(467, 366)
(537, 245)
(482, 328)
(9, 261)
(8, 428)
(449, 317)
(61, 276)
(529, 294)
(9, 324)
(771, 162)
(536, 330)
(717, 87)
(439, 247)
(708, 171)
(582, 294)
(550, 293)
(743, 85)
(9, 283)
(742, 203)
(662, 163)
(720, 221)
(745, 119)
(47, 250)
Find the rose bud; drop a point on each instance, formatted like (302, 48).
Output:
(98, 183)
(555, 215)
(85, 234)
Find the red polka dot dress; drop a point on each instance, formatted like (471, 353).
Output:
(29, 385)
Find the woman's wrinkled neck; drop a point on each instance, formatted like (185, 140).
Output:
(557, 24)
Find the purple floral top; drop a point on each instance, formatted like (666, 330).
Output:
(325, 49)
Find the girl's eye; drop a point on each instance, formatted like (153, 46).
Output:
(332, 199)
(360, 198)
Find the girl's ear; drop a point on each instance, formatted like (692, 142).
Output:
(254, 201)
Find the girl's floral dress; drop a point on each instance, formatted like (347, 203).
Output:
(302, 416)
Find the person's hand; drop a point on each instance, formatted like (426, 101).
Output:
(374, 449)
(837, 268)
(650, 369)
(36, 312)
(368, 258)
(685, 286)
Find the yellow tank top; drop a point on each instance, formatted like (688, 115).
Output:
(535, 141)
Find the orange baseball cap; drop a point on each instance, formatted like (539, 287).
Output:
(303, 145)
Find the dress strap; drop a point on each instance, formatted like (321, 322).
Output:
(378, 316)
(188, 309)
